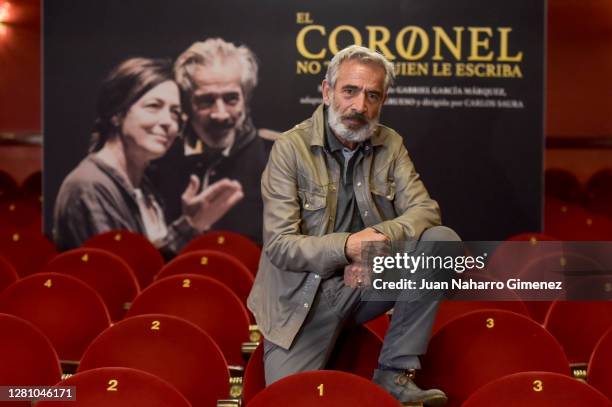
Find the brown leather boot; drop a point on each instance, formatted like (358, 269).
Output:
(402, 387)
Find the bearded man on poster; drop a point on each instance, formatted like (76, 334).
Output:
(217, 79)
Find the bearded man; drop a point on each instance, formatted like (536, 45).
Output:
(217, 80)
(332, 182)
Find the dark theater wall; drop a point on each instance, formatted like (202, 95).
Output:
(20, 68)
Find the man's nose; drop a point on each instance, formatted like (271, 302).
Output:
(219, 111)
(359, 103)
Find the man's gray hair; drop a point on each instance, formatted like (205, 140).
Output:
(363, 55)
(216, 50)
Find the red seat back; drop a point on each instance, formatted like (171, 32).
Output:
(119, 387)
(27, 355)
(482, 346)
(231, 243)
(21, 214)
(169, 347)
(8, 186)
(254, 379)
(323, 388)
(27, 251)
(215, 264)
(599, 373)
(203, 301)
(450, 310)
(356, 352)
(537, 389)
(8, 275)
(106, 273)
(140, 254)
(31, 187)
(578, 325)
(69, 312)
(379, 325)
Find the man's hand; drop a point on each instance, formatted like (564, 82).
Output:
(356, 276)
(353, 243)
(203, 209)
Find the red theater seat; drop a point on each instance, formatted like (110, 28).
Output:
(533, 237)
(516, 253)
(140, 254)
(8, 186)
(31, 187)
(26, 354)
(538, 310)
(450, 310)
(254, 379)
(599, 193)
(356, 352)
(482, 346)
(214, 264)
(203, 301)
(169, 347)
(379, 325)
(563, 185)
(231, 243)
(570, 222)
(464, 301)
(119, 387)
(66, 310)
(28, 251)
(8, 275)
(578, 325)
(599, 373)
(323, 388)
(21, 215)
(106, 273)
(537, 389)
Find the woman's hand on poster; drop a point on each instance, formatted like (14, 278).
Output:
(203, 209)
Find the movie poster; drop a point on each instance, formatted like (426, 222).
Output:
(468, 99)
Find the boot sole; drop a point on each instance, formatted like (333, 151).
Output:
(433, 402)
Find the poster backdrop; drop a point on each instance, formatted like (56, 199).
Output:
(468, 100)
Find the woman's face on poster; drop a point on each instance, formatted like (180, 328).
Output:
(152, 123)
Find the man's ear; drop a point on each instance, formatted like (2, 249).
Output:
(325, 89)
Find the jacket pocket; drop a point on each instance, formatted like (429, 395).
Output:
(383, 195)
(313, 200)
(314, 204)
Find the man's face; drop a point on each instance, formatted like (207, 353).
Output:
(217, 103)
(356, 100)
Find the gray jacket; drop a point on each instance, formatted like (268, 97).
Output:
(299, 189)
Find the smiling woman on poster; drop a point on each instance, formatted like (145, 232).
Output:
(138, 118)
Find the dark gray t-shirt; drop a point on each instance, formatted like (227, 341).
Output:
(348, 217)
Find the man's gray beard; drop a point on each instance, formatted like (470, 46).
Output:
(340, 130)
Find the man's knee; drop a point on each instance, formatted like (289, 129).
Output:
(440, 234)
(280, 363)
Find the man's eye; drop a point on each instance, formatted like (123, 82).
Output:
(231, 98)
(375, 97)
(349, 91)
(203, 102)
